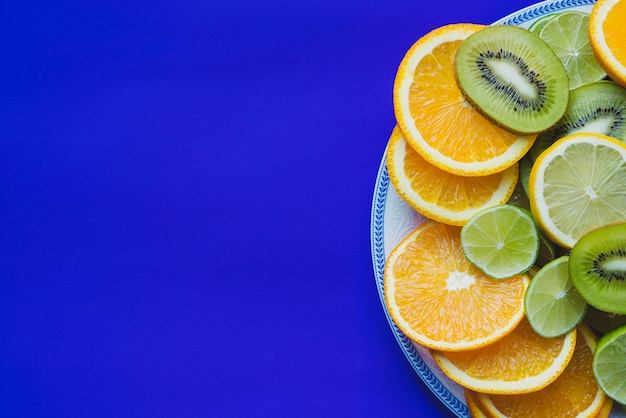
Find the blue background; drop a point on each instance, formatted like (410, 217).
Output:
(185, 196)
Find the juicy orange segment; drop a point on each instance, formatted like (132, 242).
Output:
(435, 118)
(445, 197)
(574, 393)
(607, 35)
(441, 301)
(521, 362)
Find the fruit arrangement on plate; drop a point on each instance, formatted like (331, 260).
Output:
(511, 143)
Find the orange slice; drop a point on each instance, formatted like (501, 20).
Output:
(574, 393)
(607, 36)
(435, 118)
(521, 362)
(472, 405)
(439, 300)
(605, 411)
(443, 196)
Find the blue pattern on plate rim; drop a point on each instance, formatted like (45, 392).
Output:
(522, 17)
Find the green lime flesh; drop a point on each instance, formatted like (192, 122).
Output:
(609, 364)
(540, 23)
(553, 306)
(598, 268)
(568, 36)
(502, 241)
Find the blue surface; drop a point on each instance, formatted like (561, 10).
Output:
(185, 199)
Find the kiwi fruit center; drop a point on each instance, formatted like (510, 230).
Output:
(598, 268)
(598, 107)
(513, 78)
(508, 74)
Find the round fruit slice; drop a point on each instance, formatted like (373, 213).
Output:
(439, 195)
(598, 268)
(568, 36)
(472, 404)
(553, 306)
(513, 77)
(598, 107)
(574, 393)
(441, 301)
(501, 240)
(609, 364)
(607, 34)
(435, 118)
(578, 184)
(539, 24)
(521, 362)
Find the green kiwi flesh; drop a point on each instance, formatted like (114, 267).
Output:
(597, 268)
(513, 78)
(598, 107)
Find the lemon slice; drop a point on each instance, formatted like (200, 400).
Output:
(578, 184)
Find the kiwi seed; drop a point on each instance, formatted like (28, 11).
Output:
(598, 107)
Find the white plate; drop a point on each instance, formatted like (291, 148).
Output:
(392, 220)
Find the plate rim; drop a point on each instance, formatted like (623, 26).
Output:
(520, 17)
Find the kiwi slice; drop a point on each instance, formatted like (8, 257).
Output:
(513, 78)
(598, 107)
(597, 268)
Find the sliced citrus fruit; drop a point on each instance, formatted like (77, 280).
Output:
(502, 241)
(472, 404)
(539, 24)
(553, 305)
(575, 393)
(435, 118)
(605, 411)
(609, 364)
(568, 36)
(439, 195)
(578, 184)
(607, 34)
(440, 300)
(521, 362)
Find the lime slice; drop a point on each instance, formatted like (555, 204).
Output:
(502, 241)
(609, 364)
(567, 35)
(553, 306)
(538, 24)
